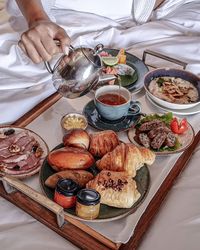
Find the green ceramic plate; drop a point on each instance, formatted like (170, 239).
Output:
(107, 213)
(136, 82)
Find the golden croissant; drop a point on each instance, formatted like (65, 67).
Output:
(127, 158)
(117, 189)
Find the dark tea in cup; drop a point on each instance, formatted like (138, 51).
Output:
(114, 102)
(112, 99)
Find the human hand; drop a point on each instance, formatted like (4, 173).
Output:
(38, 42)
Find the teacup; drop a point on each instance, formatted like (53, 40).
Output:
(114, 102)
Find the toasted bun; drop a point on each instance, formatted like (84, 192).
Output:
(79, 176)
(70, 158)
(77, 138)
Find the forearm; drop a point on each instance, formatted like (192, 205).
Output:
(32, 10)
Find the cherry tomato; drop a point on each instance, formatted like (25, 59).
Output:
(179, 127)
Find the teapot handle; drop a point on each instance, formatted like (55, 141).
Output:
(47, 64)
(98, 48)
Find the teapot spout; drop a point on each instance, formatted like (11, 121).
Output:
(106, 78)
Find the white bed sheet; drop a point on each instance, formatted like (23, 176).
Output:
(174, 33)
(177, 34)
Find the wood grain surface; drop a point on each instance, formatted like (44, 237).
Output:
(37, 110)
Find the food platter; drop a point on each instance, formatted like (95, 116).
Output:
(137, 82)
(24, 171)
(107, 213)
(185, 140)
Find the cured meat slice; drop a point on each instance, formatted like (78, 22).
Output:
(14, 158)
(23, 171)
(12, 139)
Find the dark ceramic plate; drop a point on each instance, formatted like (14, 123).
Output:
(98, 122)
(136, 82)
(107, 213)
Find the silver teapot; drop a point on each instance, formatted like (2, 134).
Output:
(75, 74)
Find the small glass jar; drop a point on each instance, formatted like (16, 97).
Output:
(65, 193)
(88, 204)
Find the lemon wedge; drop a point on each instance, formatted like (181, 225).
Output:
(110, 60)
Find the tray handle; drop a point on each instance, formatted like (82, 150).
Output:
(164, 57)
(34, 195)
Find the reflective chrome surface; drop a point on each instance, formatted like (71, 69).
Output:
(79, 72)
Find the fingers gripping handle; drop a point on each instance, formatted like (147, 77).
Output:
(47, 64)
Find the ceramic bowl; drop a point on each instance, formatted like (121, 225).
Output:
(170, 72)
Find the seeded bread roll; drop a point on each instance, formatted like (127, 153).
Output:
(70, 158)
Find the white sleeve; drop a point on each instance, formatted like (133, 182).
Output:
(14, 10)
(142, 9)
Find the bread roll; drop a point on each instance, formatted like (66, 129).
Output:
(117, 189)
(103, 142)
(70, 158)
(77, 138)
(79, 176)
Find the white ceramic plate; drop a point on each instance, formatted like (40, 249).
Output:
(42, 144)
(185, 140)
(190, 111)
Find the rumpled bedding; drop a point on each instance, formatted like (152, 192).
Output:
(174, 30)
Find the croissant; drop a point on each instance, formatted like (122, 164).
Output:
(117, 189)
(126, 158)
(103, 142)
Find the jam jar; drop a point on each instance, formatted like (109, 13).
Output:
(88, 204)
(65, 193)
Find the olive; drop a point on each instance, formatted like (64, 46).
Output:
(9, 131)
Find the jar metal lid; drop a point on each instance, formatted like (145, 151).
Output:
(67, 187)
(88, 197)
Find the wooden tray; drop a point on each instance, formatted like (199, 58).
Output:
(75, 231)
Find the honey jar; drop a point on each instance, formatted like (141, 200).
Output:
(88, 204)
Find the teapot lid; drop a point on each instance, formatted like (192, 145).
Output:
(92, 54)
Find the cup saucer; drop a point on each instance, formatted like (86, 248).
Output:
(98, 122)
